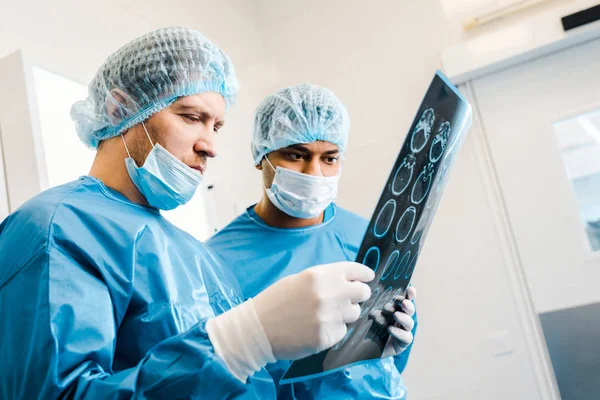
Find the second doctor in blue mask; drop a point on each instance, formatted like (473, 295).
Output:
(298, 140)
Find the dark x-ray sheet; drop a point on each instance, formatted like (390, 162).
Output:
(399, 225)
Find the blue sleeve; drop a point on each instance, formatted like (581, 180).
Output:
(59, 328)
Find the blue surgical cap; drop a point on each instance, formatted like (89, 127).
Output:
(148, 75)
(299, 114)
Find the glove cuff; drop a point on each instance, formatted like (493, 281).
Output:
(240, 340)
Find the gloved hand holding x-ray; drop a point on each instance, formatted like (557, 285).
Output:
(318, 303)
(402, 310)
(396, 233)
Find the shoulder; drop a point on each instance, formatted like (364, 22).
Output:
(38, 212)
(26, 233)
(350, 219)
(72, 218)
(240, 226)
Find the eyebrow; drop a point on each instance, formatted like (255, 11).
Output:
(201, 111)
(301, 148)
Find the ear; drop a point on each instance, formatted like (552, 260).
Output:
(117, 106)
(259, 166)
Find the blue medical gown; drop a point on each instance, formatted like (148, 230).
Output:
(102, 298)
(259, 254)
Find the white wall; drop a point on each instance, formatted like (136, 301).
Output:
(73, 37)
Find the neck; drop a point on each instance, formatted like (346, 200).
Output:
(109, 167)
(273, 216)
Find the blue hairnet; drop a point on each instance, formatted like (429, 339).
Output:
(149, 74)
(299, 114)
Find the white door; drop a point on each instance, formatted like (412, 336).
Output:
(541, 121)
(39, 144)
(39, 147)
(22, 151)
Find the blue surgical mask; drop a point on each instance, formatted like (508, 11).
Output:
(301, 195)
(165, 181)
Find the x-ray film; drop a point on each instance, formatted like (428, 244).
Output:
(399, 225)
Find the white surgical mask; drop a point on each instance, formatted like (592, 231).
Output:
(301, 195)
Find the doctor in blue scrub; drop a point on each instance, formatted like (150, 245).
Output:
(102, 298)
(298, 139)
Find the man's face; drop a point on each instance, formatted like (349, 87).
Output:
(187, 129)
(317, 158)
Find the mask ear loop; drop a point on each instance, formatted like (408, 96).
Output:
(126, 149)
(147, 134)
(271, 165)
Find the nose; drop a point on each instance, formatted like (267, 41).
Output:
(206, 144)
(313, 167)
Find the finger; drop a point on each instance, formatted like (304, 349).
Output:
(408, 307)
(350, 313)
(411, 293)
(404, 338)
(404, 321)
(397, 346)
(357, 272)
(358, 292)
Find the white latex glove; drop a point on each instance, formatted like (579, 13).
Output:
(295, 317)
(401, 332)
(308, 312)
